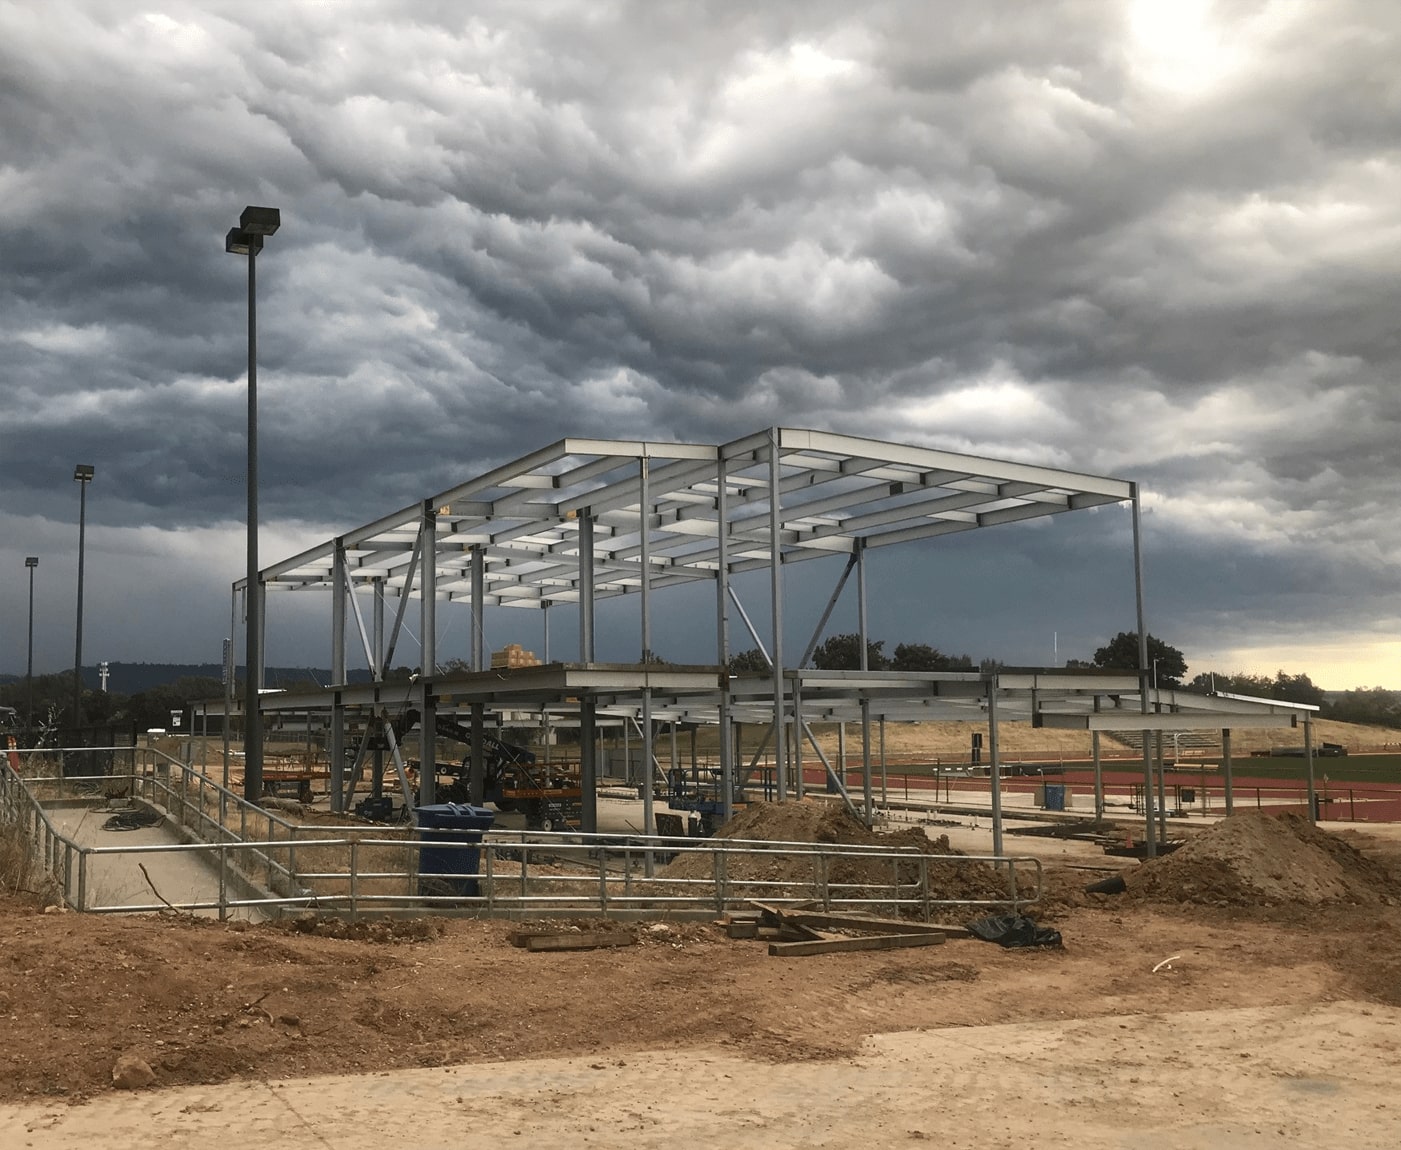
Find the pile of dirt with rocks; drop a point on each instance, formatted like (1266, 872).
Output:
(1265, 859)
(817, 821)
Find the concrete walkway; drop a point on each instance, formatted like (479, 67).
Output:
(116, 880)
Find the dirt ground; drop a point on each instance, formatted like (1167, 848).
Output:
(950, 740)
(209, 1006)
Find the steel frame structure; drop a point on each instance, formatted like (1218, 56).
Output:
(583, 520)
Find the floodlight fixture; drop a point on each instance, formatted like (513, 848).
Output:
(239, 243)
(260, 221)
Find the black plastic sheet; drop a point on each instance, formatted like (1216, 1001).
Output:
(1013, 930)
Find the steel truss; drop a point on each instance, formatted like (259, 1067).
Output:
(585, 519)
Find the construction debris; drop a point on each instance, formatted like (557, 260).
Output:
(792, 931)
(536, 940)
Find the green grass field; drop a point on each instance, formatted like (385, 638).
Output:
(1349, 769)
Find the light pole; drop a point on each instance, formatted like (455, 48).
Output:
(31, 562)
(82, 473)
(247, 239)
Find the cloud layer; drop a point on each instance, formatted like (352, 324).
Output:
(1156, 241)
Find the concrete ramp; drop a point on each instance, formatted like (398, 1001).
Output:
(116, 880)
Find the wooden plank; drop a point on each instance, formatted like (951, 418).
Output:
(572, 940)
(860, 942)
(843, 921)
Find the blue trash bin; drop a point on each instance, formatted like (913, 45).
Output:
(450, 823)
(1055, 796)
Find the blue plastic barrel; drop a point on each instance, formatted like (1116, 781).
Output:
(450, 823)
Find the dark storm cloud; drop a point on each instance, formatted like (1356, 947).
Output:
(1150, 240)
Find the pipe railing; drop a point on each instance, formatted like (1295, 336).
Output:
(293, 867)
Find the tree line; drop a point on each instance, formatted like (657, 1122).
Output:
(53, 694)
(1167, 665)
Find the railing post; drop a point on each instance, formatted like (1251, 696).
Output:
(223, 883)
(82, 880)
(354, 878)
(488, 855)
(602, 857)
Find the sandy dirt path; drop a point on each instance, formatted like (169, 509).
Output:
(1306, 1076)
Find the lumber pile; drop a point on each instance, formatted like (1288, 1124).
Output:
(793, 932)
(538, 940)
(513, 655)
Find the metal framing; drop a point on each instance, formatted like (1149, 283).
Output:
(586, 519)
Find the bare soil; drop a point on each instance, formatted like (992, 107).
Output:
(950, 740)
(205, 1003)
(822, 821)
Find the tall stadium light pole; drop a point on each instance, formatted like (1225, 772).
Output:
(247, 239)
(82, 473)
(31, 562)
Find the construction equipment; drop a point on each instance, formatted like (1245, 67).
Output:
(701, 794)
(550, 797)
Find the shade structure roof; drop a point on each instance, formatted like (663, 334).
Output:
(824, 493)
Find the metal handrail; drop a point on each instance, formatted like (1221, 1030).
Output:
(589, 874)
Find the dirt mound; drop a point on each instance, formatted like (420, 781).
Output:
(387, 930)
(816, 821)
(1265, 859)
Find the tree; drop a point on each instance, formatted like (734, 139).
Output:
(1282, 686)
(1121, 653)
(750, 660)
(843, 653)
(152, 708)
(1296, 689)
(923, 657)
(1372, 705)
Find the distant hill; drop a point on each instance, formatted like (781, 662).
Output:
(133, 678)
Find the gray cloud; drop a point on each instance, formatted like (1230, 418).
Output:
(1146, 240)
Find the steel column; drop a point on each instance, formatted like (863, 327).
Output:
(865, 700)
(338, 677)
(649, 824)
(776, 593)
(722, 627)
(428, 652)
(1308, 764)
(1226, 769)
(586, 600)
(994, 765)
(1150, 833)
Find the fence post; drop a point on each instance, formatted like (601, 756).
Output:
(489, 872)
(924, 885)
(354, 878)
(82, 879)
(223, 883)
(602, 856)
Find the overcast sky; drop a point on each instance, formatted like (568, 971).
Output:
(1157, 240)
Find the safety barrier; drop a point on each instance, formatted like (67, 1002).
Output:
(267, 864)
